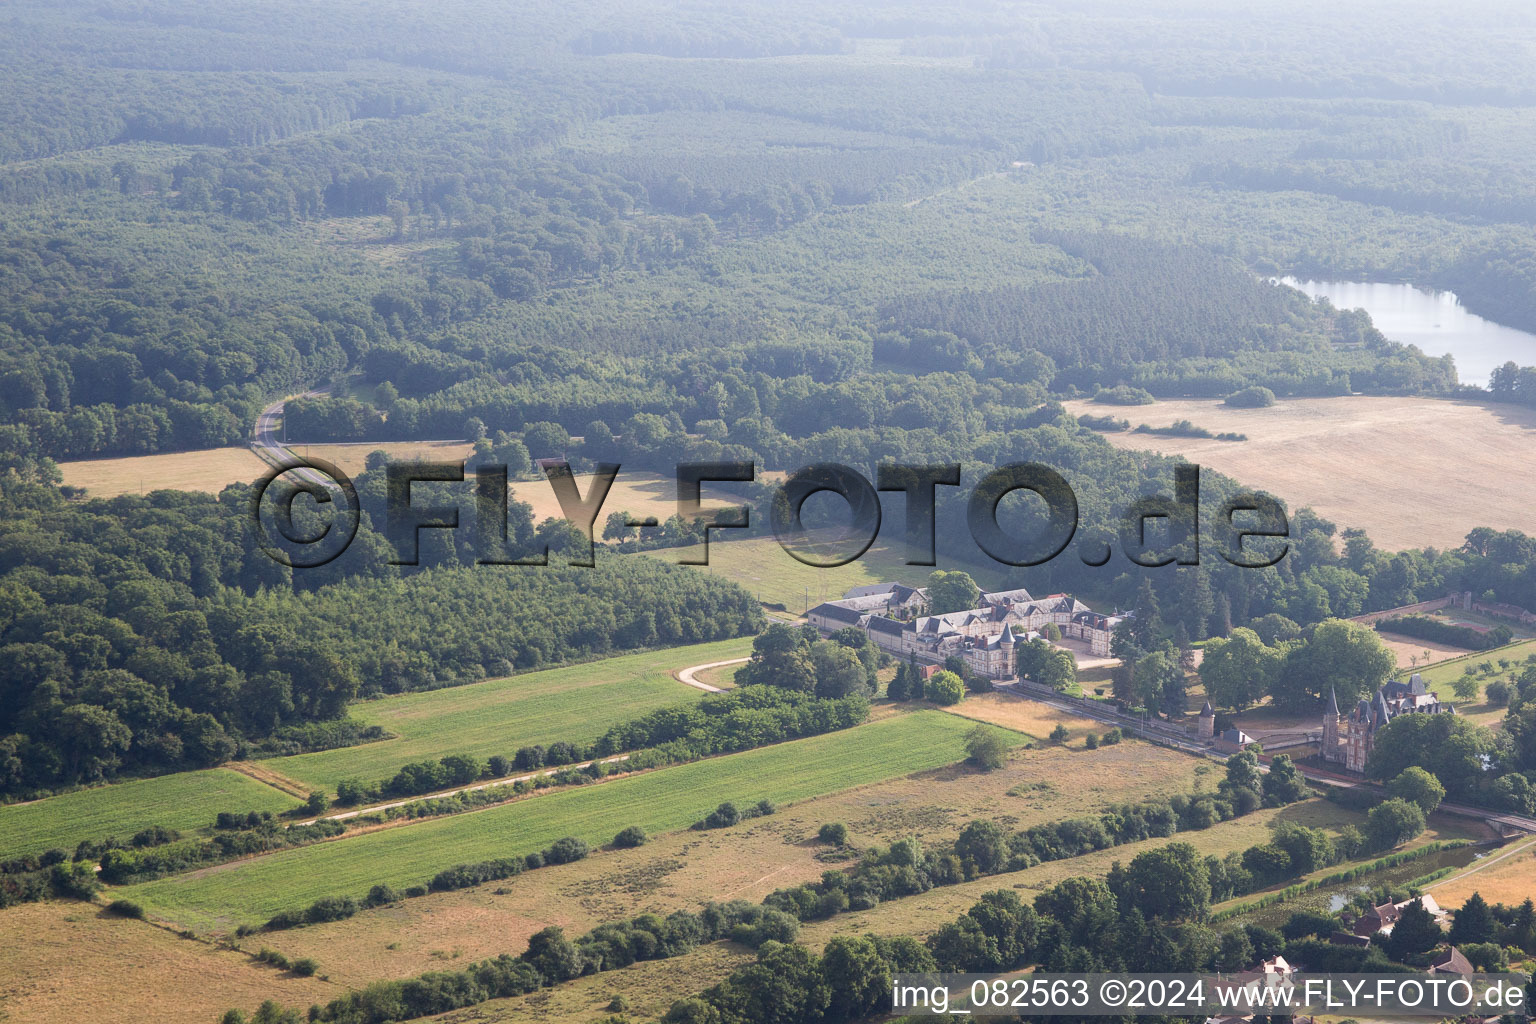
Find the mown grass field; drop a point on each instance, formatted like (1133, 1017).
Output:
(681, 870)
(660, 801)
(184, 801)
(576, 702)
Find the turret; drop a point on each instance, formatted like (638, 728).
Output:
(1207, 722)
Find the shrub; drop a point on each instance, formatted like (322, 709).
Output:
(1059, 734)
(498, 766)
(304, 967)
(563, 851)
(985, 747)
(380, 895)
(1498, 693)
(273, 957)
(723, 816)
(1112, 737)
(316, 803)
(126, 908)
(944, 688)
(414, 891)
(350, 791)
(1251, 398)
(1091, 741)
(630, 837)
(1123, 394)
(834, 832)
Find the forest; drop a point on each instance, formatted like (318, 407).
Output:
(593, 237)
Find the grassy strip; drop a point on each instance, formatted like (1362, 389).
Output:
(184, 801)
(1391, 860)
(664, 800)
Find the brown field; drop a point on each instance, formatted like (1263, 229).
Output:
(682, 869)
(649, 988)
(1413, 472)
(211, 469)
(1508, 876)
(1027, 716)
(1410, 651)
(78, 963)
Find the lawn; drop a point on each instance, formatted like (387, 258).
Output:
(184, 801)
(660, 801)
(576, 702)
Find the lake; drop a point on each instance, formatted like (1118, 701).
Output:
(1436, 322)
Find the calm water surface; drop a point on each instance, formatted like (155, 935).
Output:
(1436, 322)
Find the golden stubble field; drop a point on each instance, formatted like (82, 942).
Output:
(66, 962)
(1413, 472)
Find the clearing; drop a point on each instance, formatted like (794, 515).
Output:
(574, 702)
(250, 891)
(1413, 472)
(184, 801)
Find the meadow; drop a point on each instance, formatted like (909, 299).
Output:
(680, 870)
(574, 702)
(250, 891)
(184, 801)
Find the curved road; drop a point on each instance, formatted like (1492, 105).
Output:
(686, 675)
(268, 445)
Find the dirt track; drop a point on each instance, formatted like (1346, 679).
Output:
(1413, 472)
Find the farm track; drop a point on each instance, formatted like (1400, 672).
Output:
(690, 677)
(262, 774)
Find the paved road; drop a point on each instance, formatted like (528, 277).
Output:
(686, 675)
(267, 443)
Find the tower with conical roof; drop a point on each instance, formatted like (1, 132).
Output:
(1207, 722)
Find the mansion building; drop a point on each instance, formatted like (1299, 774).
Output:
(895, 618)
(1348, 741)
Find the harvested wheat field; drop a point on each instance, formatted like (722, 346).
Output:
(210, 469)
(1413, 472)
(1504, 876)
(79, 963)
(680, 870)
(1027, 716)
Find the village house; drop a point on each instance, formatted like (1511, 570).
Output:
(1384, 918)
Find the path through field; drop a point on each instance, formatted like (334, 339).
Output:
(686, 675)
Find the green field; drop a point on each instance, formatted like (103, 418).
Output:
(578, 702)
(184, 801)
(1442, 674)
(672, 798)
